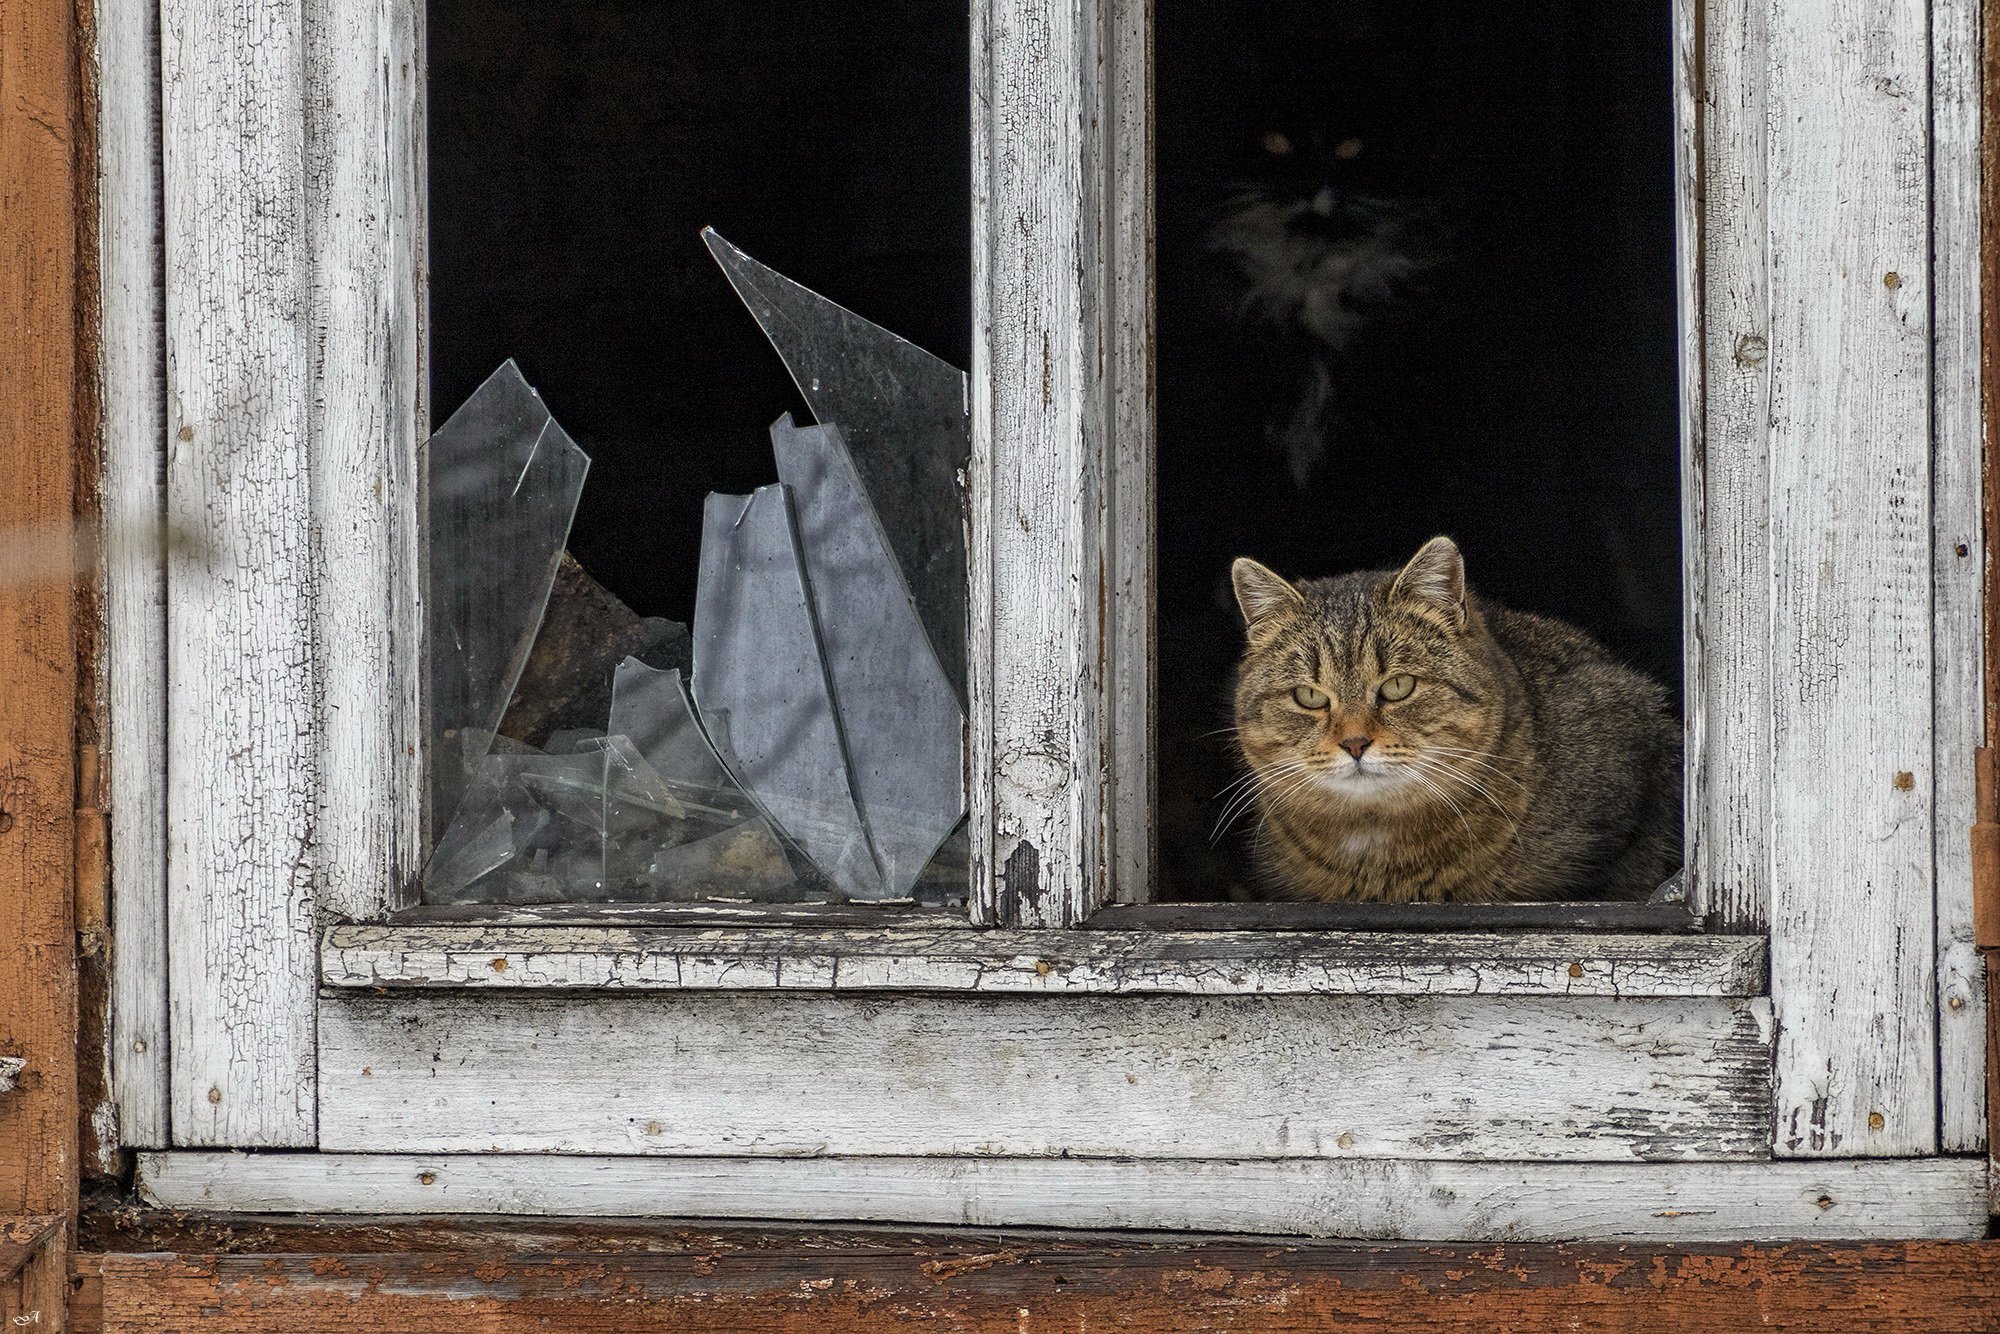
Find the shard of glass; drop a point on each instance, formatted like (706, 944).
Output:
(899, 717)
(761, 689)
(903, 412)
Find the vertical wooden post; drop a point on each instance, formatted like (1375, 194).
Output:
(1853, 953)
(1059, 562)
(39, 171)
(244, 769)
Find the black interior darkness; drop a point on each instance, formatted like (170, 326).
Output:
(1516, 390)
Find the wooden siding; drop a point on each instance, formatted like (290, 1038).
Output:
(1375, 1199)
(1044, 962)
(1229, 1076)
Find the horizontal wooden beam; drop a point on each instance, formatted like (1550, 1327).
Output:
(1625, 917)
(1404, 1200)
(992, 1285)
(783, 1073)
(518, 958)
(766, 1283)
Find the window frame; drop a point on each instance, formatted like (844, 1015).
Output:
(259, 806)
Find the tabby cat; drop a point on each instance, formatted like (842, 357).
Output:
(1408, 742)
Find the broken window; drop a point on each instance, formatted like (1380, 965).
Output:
(801, 740)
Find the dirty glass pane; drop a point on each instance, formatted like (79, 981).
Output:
(503, 480)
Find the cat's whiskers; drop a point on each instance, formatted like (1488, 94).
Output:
(1443, 769)
(1298, 784)
(1248, 789)
(1446, 798)
(1476, 757)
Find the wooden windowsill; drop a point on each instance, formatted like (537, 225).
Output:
(518, 957)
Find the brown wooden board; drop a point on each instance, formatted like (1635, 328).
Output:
(40, 148)
(747, 1282)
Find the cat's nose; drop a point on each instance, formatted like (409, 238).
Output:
(1354, 745)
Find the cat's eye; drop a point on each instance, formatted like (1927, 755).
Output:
(1398, 687)
(1309, 697)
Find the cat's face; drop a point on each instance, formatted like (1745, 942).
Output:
(1370, 688)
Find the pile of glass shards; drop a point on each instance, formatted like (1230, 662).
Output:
(815, 750)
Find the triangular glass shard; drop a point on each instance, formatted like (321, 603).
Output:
(904, 415)
(503, 480)
(898, 714)
(761, 690)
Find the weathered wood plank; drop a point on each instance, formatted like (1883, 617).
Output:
(756, 1283)
(1042, 962)
(1059, 343)
(243, 726)
(1957, 706)
(1129, 670)
(1012, 1284)
(1560, 917)
(132, 374)
(44, 165)
(1853, 975)
(364, 230)
(1401, 1200)
(40, 183)
(1725, 478)
(22, 1237)
(1238, 1076)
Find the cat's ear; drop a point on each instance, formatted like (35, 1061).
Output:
(1261, 593)
(1433, 583)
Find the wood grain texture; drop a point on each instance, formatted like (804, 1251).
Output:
(39, 184)
(1130, 674)
(243, 723)
(1012, 1284)
(1240, 1076)
(1957, 424)
(133, 373)
(364, 234)
(1853, 975)
(1366, 1199)
(43, 163)
(1057, 349)
(1725, 478)
(1039, 962)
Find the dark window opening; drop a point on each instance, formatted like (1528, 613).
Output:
(1501, 367)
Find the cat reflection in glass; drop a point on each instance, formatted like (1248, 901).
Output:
(1408, 742)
